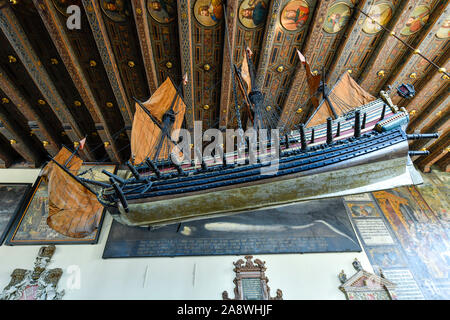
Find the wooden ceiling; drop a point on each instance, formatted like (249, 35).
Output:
(58, 85)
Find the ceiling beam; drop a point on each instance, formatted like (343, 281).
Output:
(320, 48)
(12, 29)
(6, 157)
(441, 127)
(444, 163)
(359, 45)
(57, 31)
(185, 35)
(15, 135)
(438, 150)
(272, 24)
(95, 18)
(391, 51)
(37, 125)
(427, 103)
(416, 70)
(142, 26)
(226, 94)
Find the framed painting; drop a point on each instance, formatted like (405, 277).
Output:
(30, 226)
(12, 197)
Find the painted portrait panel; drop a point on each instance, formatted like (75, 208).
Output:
(380, 15)
(116, 10)
(337, 17)
(295, 15)
(416, 20)
(444, 31)
(31, 226)
(253, 13)
(62, 5)
(163, 11)
(363, 210)
(208, 12)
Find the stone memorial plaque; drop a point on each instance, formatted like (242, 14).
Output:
(313, 226)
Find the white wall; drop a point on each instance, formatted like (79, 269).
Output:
(299, 276)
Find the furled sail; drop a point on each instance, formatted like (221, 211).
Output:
(345, 96)
(312, 80)
(74, 210)
(147, 135)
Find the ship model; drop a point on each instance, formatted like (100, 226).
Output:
(352, 143)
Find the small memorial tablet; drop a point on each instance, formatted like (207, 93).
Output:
(252, 289)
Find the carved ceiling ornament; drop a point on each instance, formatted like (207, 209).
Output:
(251, 281)
(36, 284)
(364, 285)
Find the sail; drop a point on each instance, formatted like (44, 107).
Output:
(245, 71)
(74, 211)
(146, 135)
(312, 80)
(345, 96)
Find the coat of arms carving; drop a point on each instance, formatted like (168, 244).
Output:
(36, 284)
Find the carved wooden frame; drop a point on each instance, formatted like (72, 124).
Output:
(251, 270)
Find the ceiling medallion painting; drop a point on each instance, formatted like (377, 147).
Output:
(62, 5)
(253, 13)
(116, 10)
(416, 20)
(337, 17)
(444, 31)
(163, 11)
(208, 12)
(381, 14)
(294, 15)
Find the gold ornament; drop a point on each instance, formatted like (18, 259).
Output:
(131, 64)
(12, 59)
(41, 102)
(109, 104)
(77, 103)
(5, 100)
(92, 63)
(169, 65)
